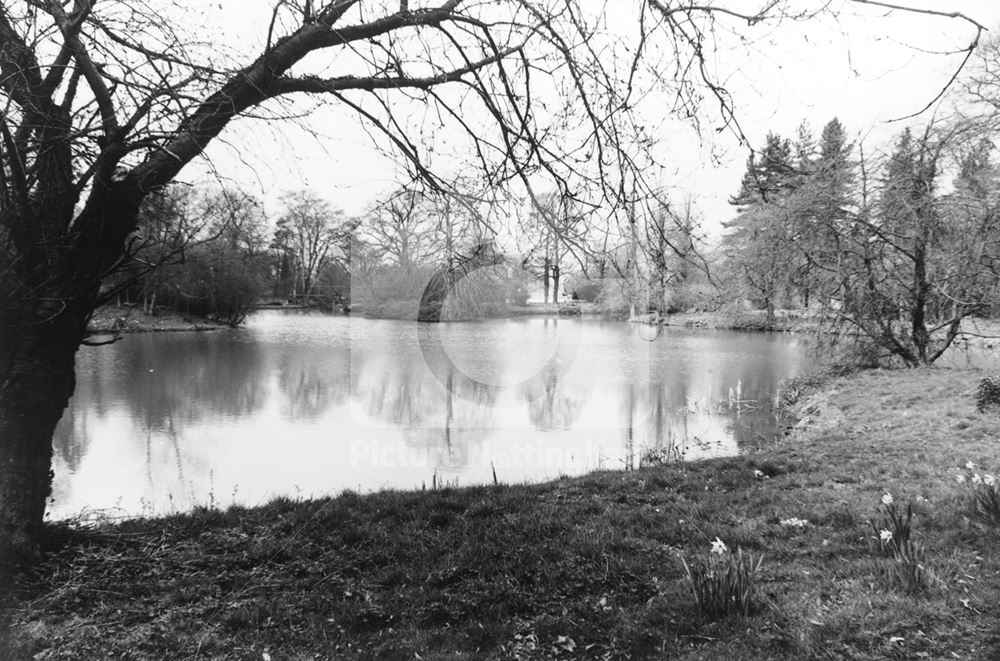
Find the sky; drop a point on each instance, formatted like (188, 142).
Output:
(867, 68)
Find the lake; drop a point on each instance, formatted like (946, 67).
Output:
(304, 404)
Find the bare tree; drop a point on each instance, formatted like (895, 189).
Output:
(177, 229)
(310, 233)
(673, 243)
(107, 102)
(399, 228)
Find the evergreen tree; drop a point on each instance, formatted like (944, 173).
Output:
(756, 243)
(768, 176)
(825, 202)
(805, 153)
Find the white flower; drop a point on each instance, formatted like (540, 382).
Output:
(885, 536)
(887, 499)
(719, 547)
(759, 474)
(960, 479)
(794, 522)
(989, 479)
(970, 465)
(976, 479)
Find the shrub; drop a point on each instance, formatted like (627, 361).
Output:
(988, 393)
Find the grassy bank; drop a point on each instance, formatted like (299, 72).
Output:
(587, 567)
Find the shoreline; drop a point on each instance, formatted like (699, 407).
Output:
(975, 331)
(112, 320)
(747, 321)
(587, 566)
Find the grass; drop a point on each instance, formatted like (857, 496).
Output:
(589, 567)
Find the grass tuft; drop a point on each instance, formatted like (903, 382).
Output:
(725, 583)
(904, 561)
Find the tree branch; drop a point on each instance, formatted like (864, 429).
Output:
(70, 30)
(314, 85)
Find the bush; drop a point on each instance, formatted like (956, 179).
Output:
(588, 291)
(988, 393)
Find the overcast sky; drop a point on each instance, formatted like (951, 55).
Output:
(866, 69)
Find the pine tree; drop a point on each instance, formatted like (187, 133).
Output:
(756, 242)
(826, 204)
(769, 176)
(805, 153)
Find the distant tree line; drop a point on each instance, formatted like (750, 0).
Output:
(897, 249)
(213, 253)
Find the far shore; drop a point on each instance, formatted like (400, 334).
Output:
(114, 319)
(974, 330)
(785, 321)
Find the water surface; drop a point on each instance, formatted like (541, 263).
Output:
(307, 405)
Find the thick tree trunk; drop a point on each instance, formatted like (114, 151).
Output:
(36, 381)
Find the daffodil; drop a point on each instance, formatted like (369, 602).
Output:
(887, 499)
(885, 536)
(976, 479)
(970, 465)
(719, 547)
(989, 479)
(960, 479)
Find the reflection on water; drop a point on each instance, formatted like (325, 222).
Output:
(303, 404)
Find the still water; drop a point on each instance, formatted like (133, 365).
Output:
(308, 405)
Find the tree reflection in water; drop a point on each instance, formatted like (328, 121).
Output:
(301, 404)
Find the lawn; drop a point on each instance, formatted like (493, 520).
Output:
(587, 567)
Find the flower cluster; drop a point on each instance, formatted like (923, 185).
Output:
(902, 564)
(984, 491)
(794, 522)
(893, 526)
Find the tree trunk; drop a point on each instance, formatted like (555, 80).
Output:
(555, 268)
(918, 314)
(36, 381)
(545, 277)
(555, 282)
